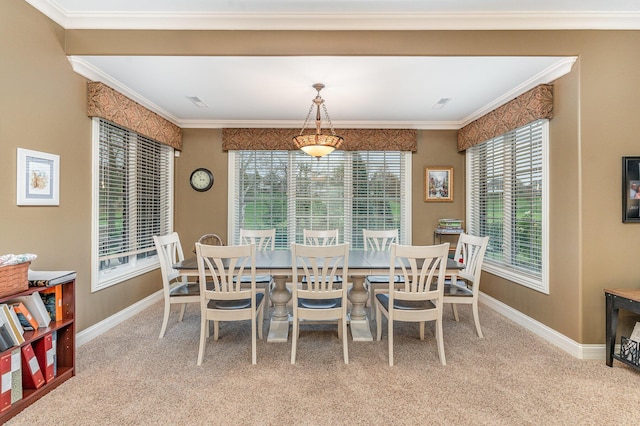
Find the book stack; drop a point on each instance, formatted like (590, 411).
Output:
(449, 226)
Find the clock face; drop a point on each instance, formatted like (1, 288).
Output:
(201, 179)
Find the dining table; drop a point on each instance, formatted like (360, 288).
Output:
(278, 264)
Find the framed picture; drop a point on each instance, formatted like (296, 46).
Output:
(438, 183)
(38, 180)
(630, 189)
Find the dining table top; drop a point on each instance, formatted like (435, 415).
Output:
(366, 262)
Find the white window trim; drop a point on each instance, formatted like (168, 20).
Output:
(408, 208)
(104, 279)
(539, 284)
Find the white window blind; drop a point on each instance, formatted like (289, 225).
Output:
(132, 202)
(507, 198)
(348, 191)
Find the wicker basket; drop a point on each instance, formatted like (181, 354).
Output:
(14, 279)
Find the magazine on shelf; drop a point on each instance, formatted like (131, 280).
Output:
(49, 278)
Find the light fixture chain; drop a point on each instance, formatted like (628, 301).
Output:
(326, 114)
(306, 120)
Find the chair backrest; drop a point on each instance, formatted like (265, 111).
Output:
(313, 237)
(379, 240)
(470, 251)
(224, 266)
(169, 252)
(420, 267)
(322, 269)
(264, 239)
(211, 240)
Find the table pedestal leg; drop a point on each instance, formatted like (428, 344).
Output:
(359, 323)
(279, 325)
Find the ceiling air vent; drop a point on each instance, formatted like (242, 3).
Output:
(197, 101)
(441, 103)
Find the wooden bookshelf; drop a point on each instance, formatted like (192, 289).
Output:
(65, 355)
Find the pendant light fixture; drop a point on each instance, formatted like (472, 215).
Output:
(318, 144)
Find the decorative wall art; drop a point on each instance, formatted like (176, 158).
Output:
(438, 183)
(630, 189)
(38, 179)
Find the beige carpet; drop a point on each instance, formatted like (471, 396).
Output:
(128, 376)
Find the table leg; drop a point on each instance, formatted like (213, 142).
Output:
(279, 324)
(358, 321)
(611, 328)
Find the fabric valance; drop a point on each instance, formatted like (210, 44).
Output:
(107, 103)
(533, 105)
(354, 139)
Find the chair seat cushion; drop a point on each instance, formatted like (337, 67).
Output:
(409, 305)
(457, 290)
(319, 303)
(382, 279)
(234, 304)
(189, 289)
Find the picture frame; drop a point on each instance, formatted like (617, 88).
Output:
(438, 183)
(631, 189)
(38, 178)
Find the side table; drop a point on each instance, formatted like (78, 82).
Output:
(624, 298)
(439, 233)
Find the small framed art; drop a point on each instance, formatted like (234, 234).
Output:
(38, 178)
(630, 189)
(438, 183)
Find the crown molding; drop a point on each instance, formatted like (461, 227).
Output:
(92, 73)
(340, 21)
(329, 22)
(545, 77)
(289, 124)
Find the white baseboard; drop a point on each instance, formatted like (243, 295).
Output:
(563, 342)
(95, 330)
(570, 346)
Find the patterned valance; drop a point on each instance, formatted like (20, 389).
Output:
(107, 103)
(533, 105)
(354, 139)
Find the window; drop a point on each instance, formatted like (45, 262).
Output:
(346, 190)
(132, 201)
(507, 199)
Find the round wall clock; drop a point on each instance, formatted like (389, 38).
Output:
(201, 179)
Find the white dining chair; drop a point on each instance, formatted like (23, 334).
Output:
(264, 240)
(325, 237)
(378, 241)
(317, 293)
(415, 300)
(225, 299)
(464, 288)
(176, 288)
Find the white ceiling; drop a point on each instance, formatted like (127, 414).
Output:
(386, 92)
(360, 91)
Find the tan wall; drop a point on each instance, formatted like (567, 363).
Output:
(435, 148)
(43, 107)
(561, 309)
(610, 128)
(43, 102)
(198, 213)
